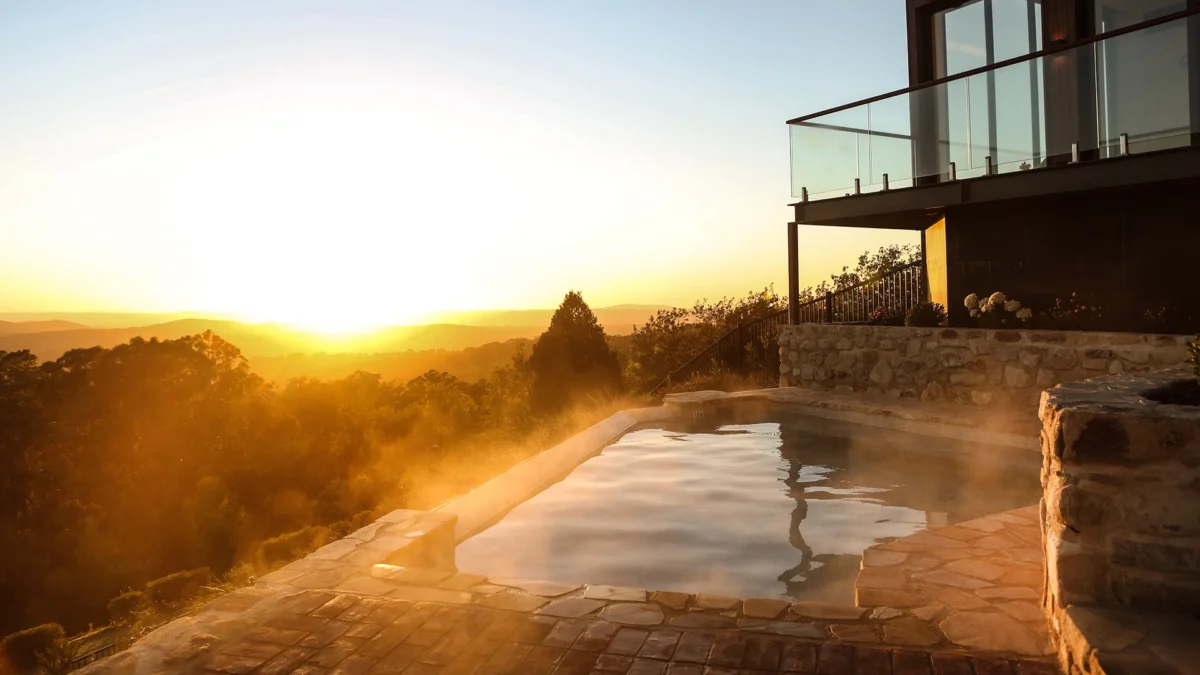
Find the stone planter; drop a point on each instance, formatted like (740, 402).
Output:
(1120, 516)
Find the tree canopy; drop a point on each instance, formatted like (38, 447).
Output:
(572, 358)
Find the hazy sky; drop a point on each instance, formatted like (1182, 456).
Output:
(346, 163)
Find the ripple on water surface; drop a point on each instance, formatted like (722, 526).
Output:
(772, 509)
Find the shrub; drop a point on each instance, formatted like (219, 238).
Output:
(887, 315)
(926, 315)
(356, 522)
(1194, 355)
(177, 587)
(291, 545)
(124, 605)
(1073, 314)
(997, 311)
(23, 647)
(58, 658)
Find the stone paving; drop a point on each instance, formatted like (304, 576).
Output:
(317, 632)
(337, 612)
(976, 584)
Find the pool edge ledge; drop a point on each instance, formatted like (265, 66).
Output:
(927, 419)
(482, 507)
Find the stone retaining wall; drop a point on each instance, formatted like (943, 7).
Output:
(1120, 514)
(962, 365)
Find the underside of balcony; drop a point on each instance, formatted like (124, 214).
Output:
(917, 208)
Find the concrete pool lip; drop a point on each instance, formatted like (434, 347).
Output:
(942, 420)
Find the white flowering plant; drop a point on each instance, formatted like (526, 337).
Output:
(997, 311)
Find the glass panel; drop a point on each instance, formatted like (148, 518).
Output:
(961, 39)
(891, 141)
(1115, 14)
(1142, 89)
(828, 152)
(1016, 28)
(1020, 115)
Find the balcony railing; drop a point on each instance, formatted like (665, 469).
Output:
(1123, 93)
(887, 296)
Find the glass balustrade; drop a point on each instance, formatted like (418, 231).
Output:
(1019, 117)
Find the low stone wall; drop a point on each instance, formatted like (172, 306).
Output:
(962, 365)
(1120, 514)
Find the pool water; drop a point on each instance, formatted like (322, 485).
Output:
(771, 509)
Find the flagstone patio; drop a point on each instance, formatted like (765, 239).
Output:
(358, 606)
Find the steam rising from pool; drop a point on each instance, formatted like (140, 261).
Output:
(753, 510)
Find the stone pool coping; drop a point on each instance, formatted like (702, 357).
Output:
(942, 420)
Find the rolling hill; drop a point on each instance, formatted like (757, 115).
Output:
(50, 336)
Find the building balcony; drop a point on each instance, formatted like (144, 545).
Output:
(1125, 93)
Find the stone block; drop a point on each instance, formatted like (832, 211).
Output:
(955, 357)
(1005, 353)
(1031, 357)
(1169, 356)
(881, 374)
(967, 378)
(1060, 358)
(1155, 556)
(1134, 355)
(933, 392)
(1016, 376)
(1046, 378)
(1094, 364)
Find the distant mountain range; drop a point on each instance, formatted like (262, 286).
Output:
(50, 335)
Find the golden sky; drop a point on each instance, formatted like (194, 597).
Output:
(356, 179)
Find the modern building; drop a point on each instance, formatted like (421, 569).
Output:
(1043, 147)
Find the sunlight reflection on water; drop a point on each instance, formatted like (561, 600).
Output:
(752, 510)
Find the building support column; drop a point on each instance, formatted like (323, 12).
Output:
(793, 273)
(935, 250)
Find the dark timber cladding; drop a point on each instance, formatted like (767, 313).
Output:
(1085, 213)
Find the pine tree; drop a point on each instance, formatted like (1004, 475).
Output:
(572, 360)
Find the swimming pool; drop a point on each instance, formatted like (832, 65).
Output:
(778, 508)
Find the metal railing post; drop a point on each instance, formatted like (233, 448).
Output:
(829, 308)
(793, 273)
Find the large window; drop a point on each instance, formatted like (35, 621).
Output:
(999, 114)
(1142, 78)
(982, 32)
